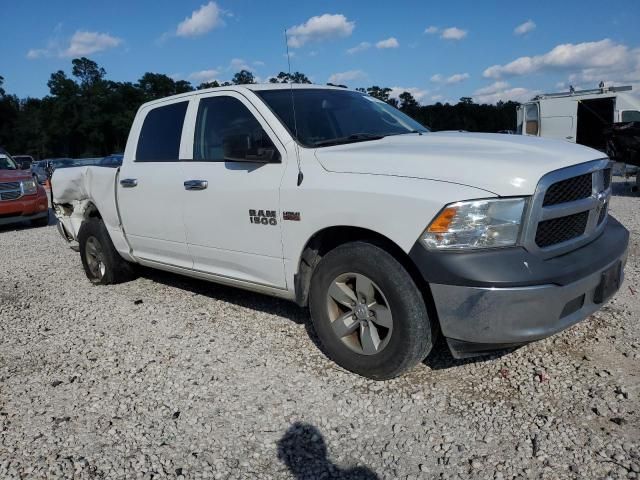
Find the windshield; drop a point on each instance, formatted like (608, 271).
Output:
(330, 117)
(6, 163)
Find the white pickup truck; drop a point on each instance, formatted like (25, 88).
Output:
(389, 233)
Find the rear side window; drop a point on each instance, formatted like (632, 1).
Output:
(160, 135)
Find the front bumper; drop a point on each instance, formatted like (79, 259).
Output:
(495, 299)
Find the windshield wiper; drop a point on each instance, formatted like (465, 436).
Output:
(356, 137)
(405, 133)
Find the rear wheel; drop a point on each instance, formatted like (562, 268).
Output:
(368, 312)
(102, 263)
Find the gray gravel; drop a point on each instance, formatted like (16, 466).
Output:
(166, 377)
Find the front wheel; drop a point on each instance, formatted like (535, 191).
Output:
(102, 263)
(369, 314)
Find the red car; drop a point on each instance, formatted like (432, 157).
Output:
(21, 197)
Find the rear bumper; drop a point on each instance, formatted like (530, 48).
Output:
(517, 299)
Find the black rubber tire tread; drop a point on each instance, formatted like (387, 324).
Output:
(118, 270)
(413, 332)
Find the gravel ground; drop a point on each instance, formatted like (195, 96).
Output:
(166, 377)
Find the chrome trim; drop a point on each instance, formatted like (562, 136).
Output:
(195, 184)
(17, 188)
(129, 182)
(536, 212)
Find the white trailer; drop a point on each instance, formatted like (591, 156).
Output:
(589, 117)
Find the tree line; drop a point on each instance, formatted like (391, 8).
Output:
(87, 115)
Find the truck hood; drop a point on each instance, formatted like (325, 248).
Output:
(502, 164)
(14, 175)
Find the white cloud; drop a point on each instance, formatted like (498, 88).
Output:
(436, 98)
(35, 53)
(391, 42)
(258, 63)
(453, 79)
(453, 33)
(343, 78)
(238, 64)
(322, 27)
(86, 43)
(524, 28)
(501, 90)
(603, 56)
(417, 93)
(431, 30)
(201, 21)
(361, 47)
(204, 76)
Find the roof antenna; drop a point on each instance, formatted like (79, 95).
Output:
(293, 109)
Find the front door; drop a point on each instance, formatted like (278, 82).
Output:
(231, 195)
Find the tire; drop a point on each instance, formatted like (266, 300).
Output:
(40, 222)
(404, 334)
(102, 264)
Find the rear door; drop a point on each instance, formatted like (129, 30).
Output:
(150, 187)
(231, 212)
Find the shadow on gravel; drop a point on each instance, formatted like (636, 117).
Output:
(440, 357)
(26, 225)
(304, 451)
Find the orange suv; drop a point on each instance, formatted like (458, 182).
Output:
(21, 197)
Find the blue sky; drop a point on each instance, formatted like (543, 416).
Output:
(438, 50)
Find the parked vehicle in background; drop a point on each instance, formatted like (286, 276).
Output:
(24, 162)
(39, 171)
(387, 232)
(606, 118)
(21, 198)
(112, 161)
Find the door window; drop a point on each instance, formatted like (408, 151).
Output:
(227, 131)
(160, 134)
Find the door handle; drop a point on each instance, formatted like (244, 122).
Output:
(129, 182)
(195, 184)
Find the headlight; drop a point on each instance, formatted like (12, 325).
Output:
(29, 187)
(476, 224)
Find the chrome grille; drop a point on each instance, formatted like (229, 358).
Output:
(10, 191)
(568, 209)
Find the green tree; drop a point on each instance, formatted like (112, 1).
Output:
(243, 77)
(87, 71)
(2, 92)
(295, 77)
(204, 85)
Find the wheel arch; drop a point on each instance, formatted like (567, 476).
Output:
(331, 237)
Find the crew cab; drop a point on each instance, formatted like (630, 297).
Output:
(389, 233)
(21, 198)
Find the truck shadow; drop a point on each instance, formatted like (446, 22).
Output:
(440, 357)
(304, 451)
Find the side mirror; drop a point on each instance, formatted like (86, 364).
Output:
(242, 148)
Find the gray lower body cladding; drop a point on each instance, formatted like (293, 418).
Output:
(489, 300)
